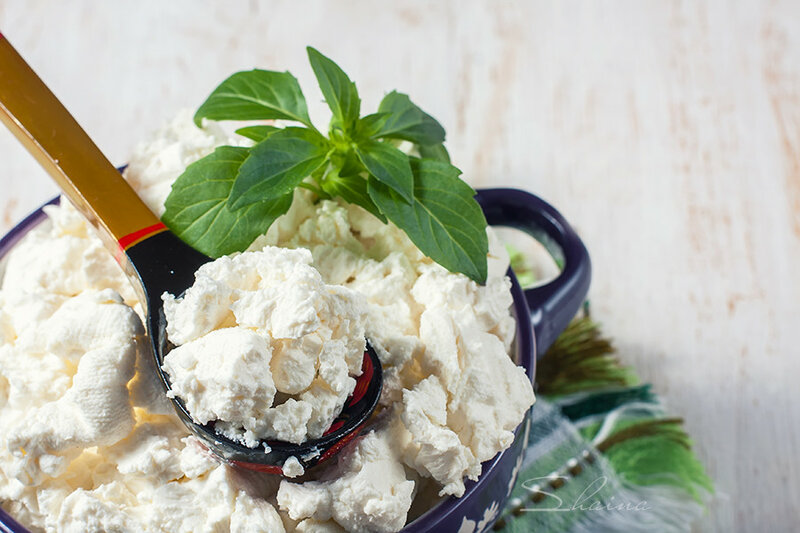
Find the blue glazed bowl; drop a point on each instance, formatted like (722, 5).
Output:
(541, 314)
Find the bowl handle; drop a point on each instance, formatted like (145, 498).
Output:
(554, 304)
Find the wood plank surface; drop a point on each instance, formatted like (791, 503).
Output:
(667, 132)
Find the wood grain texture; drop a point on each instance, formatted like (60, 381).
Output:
(667, 132)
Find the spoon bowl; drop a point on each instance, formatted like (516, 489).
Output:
(155, 260)
(164, 263)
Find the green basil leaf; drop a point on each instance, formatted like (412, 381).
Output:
(389, 166)
(197, 210)
(254, 95)
(408, 122)
(278, 164)
(434, 151)
(352, 166)
(352, 189)
(444, 221)
(257, 133)
(369, 125)
(340, 93)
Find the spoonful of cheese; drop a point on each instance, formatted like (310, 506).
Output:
(265, 349)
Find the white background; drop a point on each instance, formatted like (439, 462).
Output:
(667, 132)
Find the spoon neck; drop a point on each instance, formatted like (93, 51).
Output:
(161, 262)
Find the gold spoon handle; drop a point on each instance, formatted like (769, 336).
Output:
(36, 117)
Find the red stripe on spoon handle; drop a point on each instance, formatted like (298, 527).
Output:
(136, 237)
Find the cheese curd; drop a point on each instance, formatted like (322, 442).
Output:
(90, 442)
(367, 491)
(260, 323)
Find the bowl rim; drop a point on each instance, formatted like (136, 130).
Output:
(525, 345)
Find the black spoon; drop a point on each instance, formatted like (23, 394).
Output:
(155, 260)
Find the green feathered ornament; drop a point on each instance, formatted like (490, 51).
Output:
(603, 455)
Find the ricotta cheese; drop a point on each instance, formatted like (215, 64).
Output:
(283, 330)
(366, 491)
(269, 342)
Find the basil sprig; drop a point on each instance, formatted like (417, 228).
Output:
(222, 202)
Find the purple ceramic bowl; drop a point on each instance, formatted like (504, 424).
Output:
(541, 313)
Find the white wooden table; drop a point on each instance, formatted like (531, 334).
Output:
(667, 132)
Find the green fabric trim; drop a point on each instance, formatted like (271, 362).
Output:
(581, 360)
(588, 384)
(605, 401)
(656, 452)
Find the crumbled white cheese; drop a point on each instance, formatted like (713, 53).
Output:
(368, 490)
(290, 333)
(94, 335)
(315, 526)
(292, 468)
(223, 376)
(254, 514)
(89, 441)
(432, 448)
(63, 258)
